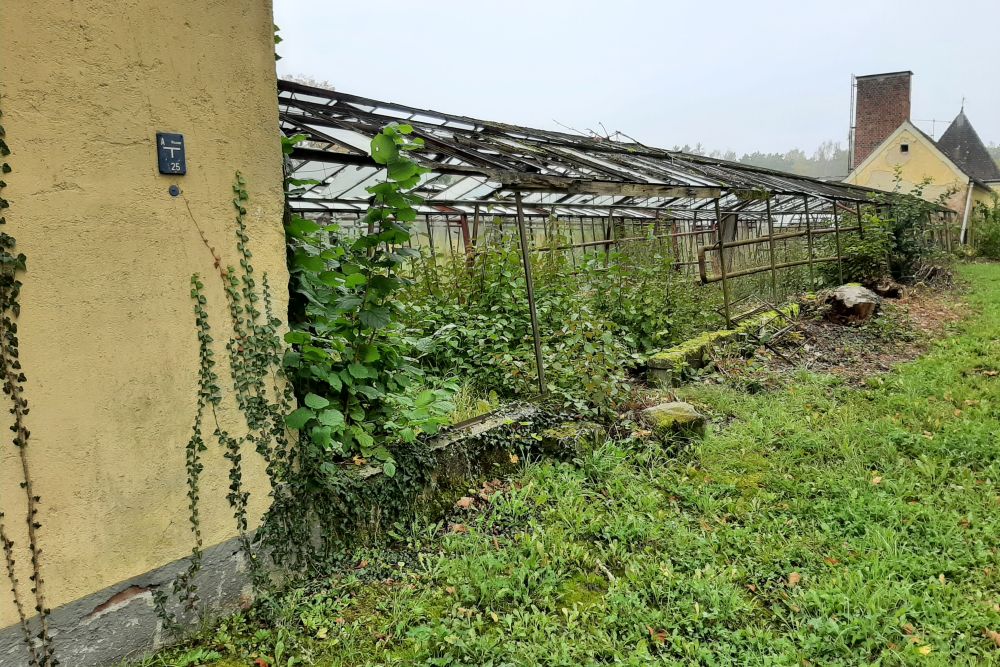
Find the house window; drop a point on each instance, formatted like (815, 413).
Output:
(904, 148)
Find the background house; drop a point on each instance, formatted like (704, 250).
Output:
(886, 145)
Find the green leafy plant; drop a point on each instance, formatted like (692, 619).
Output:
(866, 256)
(909, 225)
(359, 391)
(986, 229)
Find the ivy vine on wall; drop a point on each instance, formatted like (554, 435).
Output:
(35, 630)
(261, 395)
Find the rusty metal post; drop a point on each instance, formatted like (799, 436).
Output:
(836, 239)
(430, 236)
(463, 222)
(608, 234)
(809, 244)
(530, 288)
(770, 250)
(475, 227)
(722, 263)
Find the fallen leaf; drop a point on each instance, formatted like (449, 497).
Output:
(450, 590)
(340, 620)
(459, 528)
(260, 662)
(877, 479)
(928, 435)
(321, 633)
(958, 413)
(493, 615)
(658, 636)
(362, 565)
(793, 579)
(991, 374)
(831, 561)
(514, 458)
(924, 650)
(752, 588)
(464, 503)
(909, 629)
(992, 636)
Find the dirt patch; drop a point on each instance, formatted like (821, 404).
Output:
(904, 330)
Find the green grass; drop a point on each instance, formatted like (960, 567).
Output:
(823, 525)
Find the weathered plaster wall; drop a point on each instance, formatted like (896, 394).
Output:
(920, 162)
(108, 339)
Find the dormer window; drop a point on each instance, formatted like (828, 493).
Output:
(904, 148)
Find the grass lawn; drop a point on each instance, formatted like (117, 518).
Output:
(823, 524)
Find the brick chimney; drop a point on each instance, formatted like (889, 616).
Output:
(882, 103)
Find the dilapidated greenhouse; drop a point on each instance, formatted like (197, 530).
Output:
(756, 235)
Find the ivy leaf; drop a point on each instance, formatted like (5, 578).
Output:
(299, 418)
(316, 402)
(389, 468)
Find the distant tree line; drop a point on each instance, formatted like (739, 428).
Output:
(827, 161)
(994, 150)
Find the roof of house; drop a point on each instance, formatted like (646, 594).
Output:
(964, 147)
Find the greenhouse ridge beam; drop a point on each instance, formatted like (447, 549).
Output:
(486, 162)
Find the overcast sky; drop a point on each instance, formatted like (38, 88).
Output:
(736, 74)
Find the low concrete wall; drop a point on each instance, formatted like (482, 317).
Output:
(120, 620)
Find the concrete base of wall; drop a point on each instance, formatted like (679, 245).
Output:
(120, 621)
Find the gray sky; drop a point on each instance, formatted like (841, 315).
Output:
(744, 75)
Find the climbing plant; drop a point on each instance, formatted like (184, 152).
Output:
(348, 362)
(261, 395)
(12, 263)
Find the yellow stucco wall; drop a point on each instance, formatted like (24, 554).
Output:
(922, 161)
(108, 339)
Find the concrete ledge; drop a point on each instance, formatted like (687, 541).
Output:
(668, 368)
(120, 621)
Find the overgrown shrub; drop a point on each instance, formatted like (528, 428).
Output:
(909, 224)
(866, 256)
(473, 323)
(986, 229)
(653, 304)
